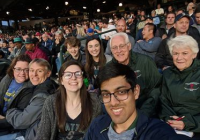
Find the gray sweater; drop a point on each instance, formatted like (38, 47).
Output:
(48, 126)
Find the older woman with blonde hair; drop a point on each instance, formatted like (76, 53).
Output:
(180, 98)
(80, 34)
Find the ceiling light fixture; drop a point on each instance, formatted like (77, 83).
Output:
(98, 10)
(84, 7)
(104, 1)
(7, 13)
(66, 3)
(30, 10)
(47, 8)
(120, 4)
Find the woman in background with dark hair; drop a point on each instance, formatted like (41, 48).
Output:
(68, 113)
(95, 59)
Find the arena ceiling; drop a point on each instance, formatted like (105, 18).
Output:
(23, 9)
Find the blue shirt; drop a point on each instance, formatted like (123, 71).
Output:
(12, 89)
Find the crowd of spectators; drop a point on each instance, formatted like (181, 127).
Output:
(53, 79)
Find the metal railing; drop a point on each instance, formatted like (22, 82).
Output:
(83, 38)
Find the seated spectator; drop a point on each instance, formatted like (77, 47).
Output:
(68, 113)
(163, 57)
(159, 10)
(33, 49)
(80, 34)
(90, 32)
(180, 88)
(68, 33)
(46, 42)
(150, 44)
(120, 27)
(4, 48)
(58, 42)
(123, 121)
(156, 19)
(95, 59)
(38, 35)
(20, 48)
(169, 22)
(197, 17)
(15, 81)
(72, 45)
(148, 76)
(25, 121)
(11, 46)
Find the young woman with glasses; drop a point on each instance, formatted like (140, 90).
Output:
(95, 59)
(68, 113)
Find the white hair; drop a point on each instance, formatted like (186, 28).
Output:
(124, 35)
(183, 41)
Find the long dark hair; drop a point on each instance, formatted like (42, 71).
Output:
(89, 66)
(86, 104)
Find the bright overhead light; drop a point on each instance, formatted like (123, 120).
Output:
(7, 13)
(66, 3)
(104, 1)
(30, 10)
(84, 7)
(98, 10)
(120, 4)
(47, 8)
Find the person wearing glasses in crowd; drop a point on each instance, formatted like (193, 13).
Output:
(119, 92)
(10, 87)
(95, 59)
(68, 113)
(144, 67)
(25, 121)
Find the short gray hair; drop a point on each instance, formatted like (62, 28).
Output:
(183, 41)
(41, 62)
(124, 35)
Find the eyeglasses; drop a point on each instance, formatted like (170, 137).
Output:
(18, 70)
(121, 46)
(77, 74)
(120, 95)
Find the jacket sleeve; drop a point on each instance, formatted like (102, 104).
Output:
(22, 119)
(165, 102)
(152, 83)
(160, 57)
(44, 129)
(192, 123)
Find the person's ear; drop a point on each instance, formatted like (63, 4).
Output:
(136, 91)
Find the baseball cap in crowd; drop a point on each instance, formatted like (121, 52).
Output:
(38, 34)
(17, 39)
(31, 41)
(180, 16)
(90, 30)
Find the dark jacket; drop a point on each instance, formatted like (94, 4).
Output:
(56, 47)
(149, 80)
(146, 129)
(81, 59)
(28, 118)
(180, 95)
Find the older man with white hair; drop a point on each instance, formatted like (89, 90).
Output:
(145, 69)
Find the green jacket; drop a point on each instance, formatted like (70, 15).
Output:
(180, 95)
(149, 80)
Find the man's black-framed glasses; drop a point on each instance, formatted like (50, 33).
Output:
(120, 95)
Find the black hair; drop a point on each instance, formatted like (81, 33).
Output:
(112, 70)
(2, 54)
(153, 27)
